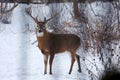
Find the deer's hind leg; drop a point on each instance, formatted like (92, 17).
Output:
(72, 61)
(78, 61)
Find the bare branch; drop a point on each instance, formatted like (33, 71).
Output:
(4, 7)
(11, 9)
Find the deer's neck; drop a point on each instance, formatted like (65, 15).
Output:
(41, 38)
(41, 34)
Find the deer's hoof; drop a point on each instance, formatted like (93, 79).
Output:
(69, 73)
(79, 71)
(50, 73)
(45, 73)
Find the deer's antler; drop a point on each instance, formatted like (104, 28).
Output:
(54, 16)
(29, 12)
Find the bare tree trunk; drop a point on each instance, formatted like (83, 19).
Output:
(118, 15)
(49, 1)
(6, 10)
(75, 8)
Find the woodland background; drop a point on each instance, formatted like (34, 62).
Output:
(96, 22)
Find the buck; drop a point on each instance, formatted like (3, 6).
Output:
(51, 44)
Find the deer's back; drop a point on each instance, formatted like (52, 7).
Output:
(62, 42)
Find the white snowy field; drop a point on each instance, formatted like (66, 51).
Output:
(22, 60)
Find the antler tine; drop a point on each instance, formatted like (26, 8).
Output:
(28, 11)
(54, 15)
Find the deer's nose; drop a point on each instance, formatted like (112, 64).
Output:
(40, 30)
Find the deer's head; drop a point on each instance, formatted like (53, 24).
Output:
(40, 25)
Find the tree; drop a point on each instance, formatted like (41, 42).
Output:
(5, 10)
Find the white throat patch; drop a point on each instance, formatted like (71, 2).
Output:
(40, 34)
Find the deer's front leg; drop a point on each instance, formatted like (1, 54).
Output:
(50, 62)
(45, 63)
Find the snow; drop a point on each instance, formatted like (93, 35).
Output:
(20, 60)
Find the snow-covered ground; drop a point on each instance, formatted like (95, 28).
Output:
(22, 60)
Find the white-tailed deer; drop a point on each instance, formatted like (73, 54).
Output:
(51, 44)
